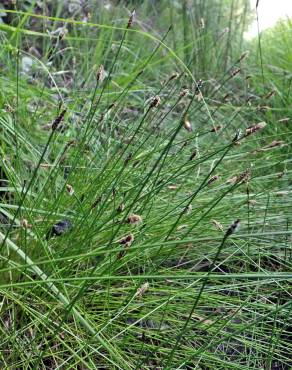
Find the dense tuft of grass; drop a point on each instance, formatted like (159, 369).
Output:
(145, 187)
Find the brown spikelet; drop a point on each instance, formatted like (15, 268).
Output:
(8, 108)
(100, 74)
(270, 94)
(181, 227)
(45, 165)
(70, 143)
(58, 120)
(235, 72)
(172, 187)
(111, 106)
(187, 124)
(69, 189)
(143, 289)
(254, 128)
(24, 223)
(232, 228)
(217, 225)
(174, 76)
(213, 179)
(198, 86)
(226, 97)
(273, 144)
(134, 219)
(95, 203)
(63, 158)
(241, 178)
(262, 108)
(184, 92)
(243, 56)
(237, 137)
(193, 155)
(121, 208)
(232, 180)
(281, 174)
(101, 117)
(244, 176)
(128, 158)
(188, 209)
(284, 120)
(131, 19)
(125, 242)
(128, 140)
(216, 128)
(139, 73)
(199, 96)
(155, 102)
(122, 253)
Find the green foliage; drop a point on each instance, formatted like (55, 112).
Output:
(109, 128)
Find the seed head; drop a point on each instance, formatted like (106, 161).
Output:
(226, 97)
(131, 19)
(111, 106)
(187, 124)
(155, 101)
(184, 92)
(121, 208)
(70, 189)
(232, 180)
(270, 94)
(273, 144)
(218, 225)
(199, 85)
(134, 219)
(181, 227)
(262, 108)
(254, 128)
(25, 224)
(216, 128)
(212, 179)
(235, 72)
(70, 143)
(127, 240)
(188, 209)
(8, 108)
(58, 120)
(243, 56)
(232, 228)
(193, 155)
(237, 136)
(174, 76)
(95, 203)
(244, 176)
(100, 74)
(284, 120)
(128, 158)
(143, 289)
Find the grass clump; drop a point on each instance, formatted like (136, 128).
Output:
(130, 151)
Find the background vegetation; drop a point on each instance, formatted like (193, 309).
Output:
(130, 144)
